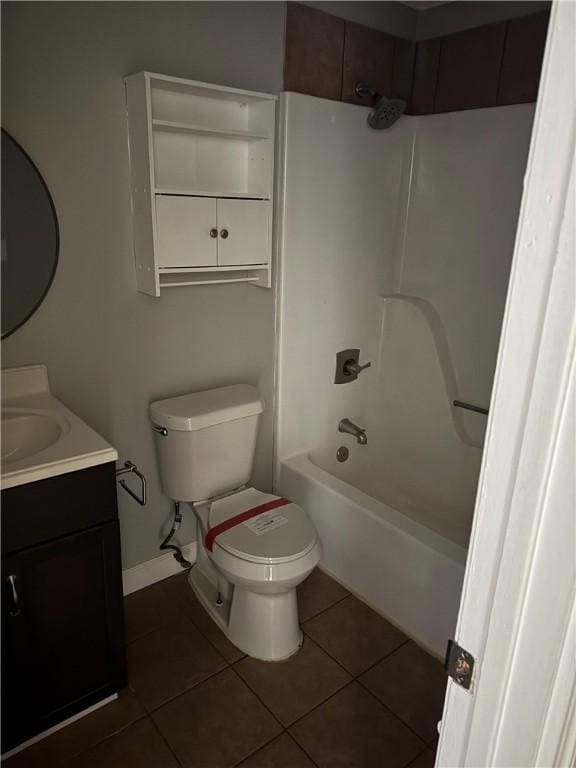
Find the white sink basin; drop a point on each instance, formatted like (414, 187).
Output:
(26, 432)
(41, 438)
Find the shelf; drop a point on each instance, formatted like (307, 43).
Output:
(206, 152)
(192, 270)
(257, 274)
(210, 193)
(205, 90)
(211, 281)
(167, 125)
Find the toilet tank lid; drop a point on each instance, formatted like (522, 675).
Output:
(199, 410)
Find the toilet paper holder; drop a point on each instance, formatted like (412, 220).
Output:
(130, 467)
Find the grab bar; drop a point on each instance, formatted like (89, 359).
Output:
(435, 326)
(470, 407)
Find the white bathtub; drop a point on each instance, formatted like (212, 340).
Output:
(406, 571)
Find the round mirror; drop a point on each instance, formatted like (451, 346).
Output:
(30, 238)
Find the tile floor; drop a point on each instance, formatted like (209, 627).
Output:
(358, 694)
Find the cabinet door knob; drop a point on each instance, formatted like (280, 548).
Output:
(224, 234)
(15, 606)
(213, 233)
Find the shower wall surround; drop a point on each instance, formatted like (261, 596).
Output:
(398, 242)
(487, 66)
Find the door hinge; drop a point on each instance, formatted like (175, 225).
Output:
(459, 664)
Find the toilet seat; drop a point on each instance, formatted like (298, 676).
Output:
(279, 535)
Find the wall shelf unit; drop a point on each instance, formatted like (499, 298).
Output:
(202, 169)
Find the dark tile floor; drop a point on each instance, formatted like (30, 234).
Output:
(358, 694)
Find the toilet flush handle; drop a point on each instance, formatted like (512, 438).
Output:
(160, 430)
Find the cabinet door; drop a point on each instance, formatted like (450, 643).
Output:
(244, 232)
(62, 631)
(183, 227)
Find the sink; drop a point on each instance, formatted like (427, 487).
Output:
(41, 437)
(26, 432)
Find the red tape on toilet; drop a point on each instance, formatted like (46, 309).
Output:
(242, 517)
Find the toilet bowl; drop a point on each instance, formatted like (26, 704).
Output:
(247, 580)
(254, 548)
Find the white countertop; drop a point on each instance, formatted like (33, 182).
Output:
(77, 447)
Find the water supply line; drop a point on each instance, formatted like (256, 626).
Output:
(176, 550)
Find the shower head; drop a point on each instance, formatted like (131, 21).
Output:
(385, 111)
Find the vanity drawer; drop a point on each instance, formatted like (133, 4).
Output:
(47, 509)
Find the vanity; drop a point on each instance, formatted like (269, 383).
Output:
(62, 614)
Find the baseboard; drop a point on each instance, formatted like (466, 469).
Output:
(144, 574)
(63, 724)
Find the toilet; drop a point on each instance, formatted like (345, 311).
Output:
(254, 548)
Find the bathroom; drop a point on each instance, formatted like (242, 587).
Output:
(353, 238)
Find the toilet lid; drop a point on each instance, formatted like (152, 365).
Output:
(280, 534)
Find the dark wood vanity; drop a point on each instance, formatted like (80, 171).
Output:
(62, 616)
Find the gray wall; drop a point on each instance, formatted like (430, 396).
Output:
(109, 349)
(420, 21)
(389, 16)
(466, 14)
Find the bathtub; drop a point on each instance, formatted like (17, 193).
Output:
(408, 572)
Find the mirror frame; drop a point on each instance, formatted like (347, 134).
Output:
(4, 335)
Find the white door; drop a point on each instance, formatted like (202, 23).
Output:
(186, 231)
(244, 232)
(518, 611)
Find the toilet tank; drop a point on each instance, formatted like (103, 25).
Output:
(206, 440)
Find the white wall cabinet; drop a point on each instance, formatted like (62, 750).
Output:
(244, 232)
(202, 169)
(206, 232)
(186, 232)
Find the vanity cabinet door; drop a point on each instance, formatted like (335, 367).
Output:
(244, 232)
(62, 631)
(186, 231)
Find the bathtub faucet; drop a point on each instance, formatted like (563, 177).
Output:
(352, 429)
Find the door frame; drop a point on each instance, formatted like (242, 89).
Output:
(517, 613)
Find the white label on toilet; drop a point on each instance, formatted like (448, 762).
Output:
(265, 522)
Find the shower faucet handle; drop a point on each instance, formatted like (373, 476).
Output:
(348, 366)
(353, 368)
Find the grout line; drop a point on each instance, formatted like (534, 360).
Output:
(165, 740)
(84, 750)
(286, 727)
(387, 656)
(343, 60)
(255, 751)
(348, 684)
(179, 694)
(205, 637)
(334, 659)
(327, 608)
(302, 748)
(185, 608)
(501, 67)
(412, 80)
(391, 711)
(437, 80)
(418, 756)
(141, 637)
(276, 718)
(341, 665)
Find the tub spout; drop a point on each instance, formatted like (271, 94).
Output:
(350, 428)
